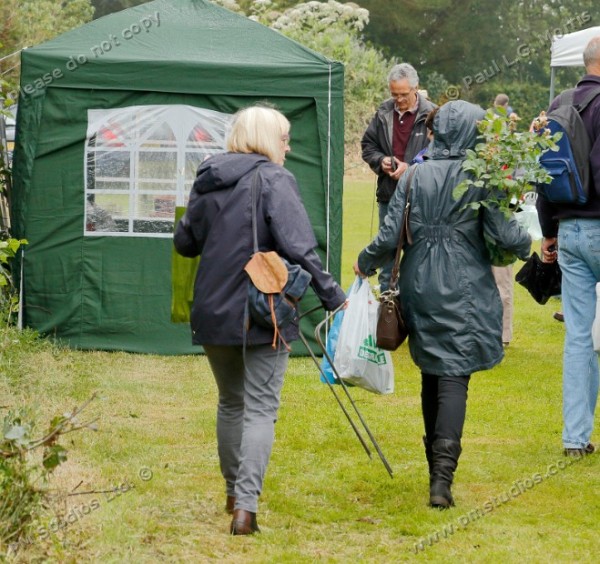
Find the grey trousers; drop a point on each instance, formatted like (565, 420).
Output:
(249, 393)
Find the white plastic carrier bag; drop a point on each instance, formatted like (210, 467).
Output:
(357, 359)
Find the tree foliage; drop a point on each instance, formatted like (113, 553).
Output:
(334, 30)
(482, 47)
(105, 7)
(30, 22)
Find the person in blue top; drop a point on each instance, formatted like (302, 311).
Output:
(572, 236)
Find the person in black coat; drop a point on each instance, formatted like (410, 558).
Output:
(394, 137)
(217, 225)
(448, 296)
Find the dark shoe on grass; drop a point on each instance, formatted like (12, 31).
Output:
(559, 316)
(229, 504)
(589, 449)
(445, 454)
(244, 523)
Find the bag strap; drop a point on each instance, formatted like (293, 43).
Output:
(566, 99)
(405, 234)
(586, 101)
(253, 197)
(276, 333)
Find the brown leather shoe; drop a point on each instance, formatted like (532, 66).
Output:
(230, 504)
(244, 523)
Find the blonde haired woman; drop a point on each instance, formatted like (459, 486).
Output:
(217, 225)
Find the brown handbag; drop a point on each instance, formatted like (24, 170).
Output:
(391, 330)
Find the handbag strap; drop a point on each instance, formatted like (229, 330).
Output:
(276, 334)
(253, 197)
(405, 234)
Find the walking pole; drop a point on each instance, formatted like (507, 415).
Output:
(345, 388)
(335, 395)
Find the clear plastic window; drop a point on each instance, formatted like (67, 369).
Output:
(140, 163)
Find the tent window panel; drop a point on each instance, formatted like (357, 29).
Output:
(107, 213)
(159, 227)
(112, 184)
(156, 186)
(111, 164)
(140, 163)
(200, 136)
(188, 191)
(112, 135)
(115, 204)
(149, 206)
(192, 162)
(157, 165)
(160, 136)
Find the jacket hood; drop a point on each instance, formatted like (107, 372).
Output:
(455, 129)
(225, 170)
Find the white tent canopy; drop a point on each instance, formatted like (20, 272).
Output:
(567, 51)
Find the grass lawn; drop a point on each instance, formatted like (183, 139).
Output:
(157, 495)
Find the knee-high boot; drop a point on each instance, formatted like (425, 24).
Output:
(445, 454)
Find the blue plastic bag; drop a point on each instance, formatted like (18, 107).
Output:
(330, 346)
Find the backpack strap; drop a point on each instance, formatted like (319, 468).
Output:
(566, 99)
(586, 101)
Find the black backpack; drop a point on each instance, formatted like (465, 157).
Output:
(570, 165)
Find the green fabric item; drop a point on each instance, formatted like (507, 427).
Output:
(182, 279)
(113, 292)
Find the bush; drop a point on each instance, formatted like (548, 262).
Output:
(26, 463)
(9, 298)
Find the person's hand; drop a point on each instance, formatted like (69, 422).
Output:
(386, 165)
(549, 250)
(401, 168)
(357, 271)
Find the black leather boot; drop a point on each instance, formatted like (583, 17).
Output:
(445, 460)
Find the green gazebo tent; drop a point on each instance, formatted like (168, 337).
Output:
(113, 119)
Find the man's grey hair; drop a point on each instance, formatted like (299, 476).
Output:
(591, 53)
(402, 71)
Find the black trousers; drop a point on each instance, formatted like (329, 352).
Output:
(444, 405)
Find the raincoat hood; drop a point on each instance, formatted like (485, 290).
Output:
(225, 170)
(455, 130)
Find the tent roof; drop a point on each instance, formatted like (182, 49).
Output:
(567, 50)
(161, 45)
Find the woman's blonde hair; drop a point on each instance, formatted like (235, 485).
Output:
(258, 129)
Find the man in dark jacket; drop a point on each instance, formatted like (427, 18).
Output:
(575, 231)
(394, 136)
